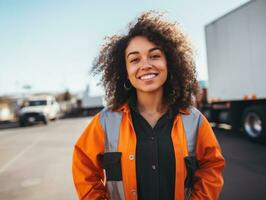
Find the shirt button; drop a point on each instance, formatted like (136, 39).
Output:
(152, 138)
(133, 192)
(131, 157)
(153, 167)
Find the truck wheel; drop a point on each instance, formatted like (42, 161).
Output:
(254, 123)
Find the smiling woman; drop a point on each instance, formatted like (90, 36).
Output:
(170, 40)
(150, 142)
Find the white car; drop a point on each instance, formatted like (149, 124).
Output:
(39, 109)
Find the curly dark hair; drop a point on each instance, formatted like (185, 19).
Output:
(181, 83)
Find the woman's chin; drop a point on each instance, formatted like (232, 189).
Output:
(150, 89)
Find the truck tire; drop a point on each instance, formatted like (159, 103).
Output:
(254, 123)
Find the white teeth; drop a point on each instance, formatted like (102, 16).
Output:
(148, 76)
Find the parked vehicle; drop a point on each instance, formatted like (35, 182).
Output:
(39, 109)
(6, 114)
(9, 108)
(236, 66)
(91, 104)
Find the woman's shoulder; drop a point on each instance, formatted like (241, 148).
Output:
(109, 115)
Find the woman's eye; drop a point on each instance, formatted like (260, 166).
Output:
(155, 56)
(134, 60)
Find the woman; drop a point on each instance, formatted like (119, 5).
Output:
(150, 143)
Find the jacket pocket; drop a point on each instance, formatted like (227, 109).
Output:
(191, 165)
(112, 166)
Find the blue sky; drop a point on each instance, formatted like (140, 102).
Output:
(50, 44)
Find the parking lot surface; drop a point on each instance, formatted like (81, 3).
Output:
(35, 161)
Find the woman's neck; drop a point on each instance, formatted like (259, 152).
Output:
(151, 103)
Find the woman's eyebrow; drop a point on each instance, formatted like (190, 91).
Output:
(133, 52)
(150, 50)
(155, 48)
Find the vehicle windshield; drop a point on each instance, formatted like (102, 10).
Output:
(38, 103)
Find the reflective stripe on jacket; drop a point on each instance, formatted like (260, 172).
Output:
(101, 136)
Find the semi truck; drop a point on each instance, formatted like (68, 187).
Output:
(236, 53)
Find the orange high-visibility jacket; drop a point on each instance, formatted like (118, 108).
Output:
(89, 176)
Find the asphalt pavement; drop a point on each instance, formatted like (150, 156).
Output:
(245, 171)
(35, 162)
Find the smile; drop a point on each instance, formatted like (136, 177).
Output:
(148, 76)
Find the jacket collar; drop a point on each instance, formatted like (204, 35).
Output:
(125, 108)
(185, 111)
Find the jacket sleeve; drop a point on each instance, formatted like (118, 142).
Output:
(208, 178)
(87, 169)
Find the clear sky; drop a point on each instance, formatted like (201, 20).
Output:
(50, 44)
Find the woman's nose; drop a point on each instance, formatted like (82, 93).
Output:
(145, 64)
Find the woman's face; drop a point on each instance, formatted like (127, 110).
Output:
(146, 65)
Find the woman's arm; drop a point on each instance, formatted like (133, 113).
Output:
(87, 166)
(208, 178)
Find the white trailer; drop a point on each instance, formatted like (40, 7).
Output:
(90, 105)
(236, 53)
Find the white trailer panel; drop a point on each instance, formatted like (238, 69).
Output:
(90, 102)
(236, 49)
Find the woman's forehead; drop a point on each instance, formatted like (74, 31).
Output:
(139, 44)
